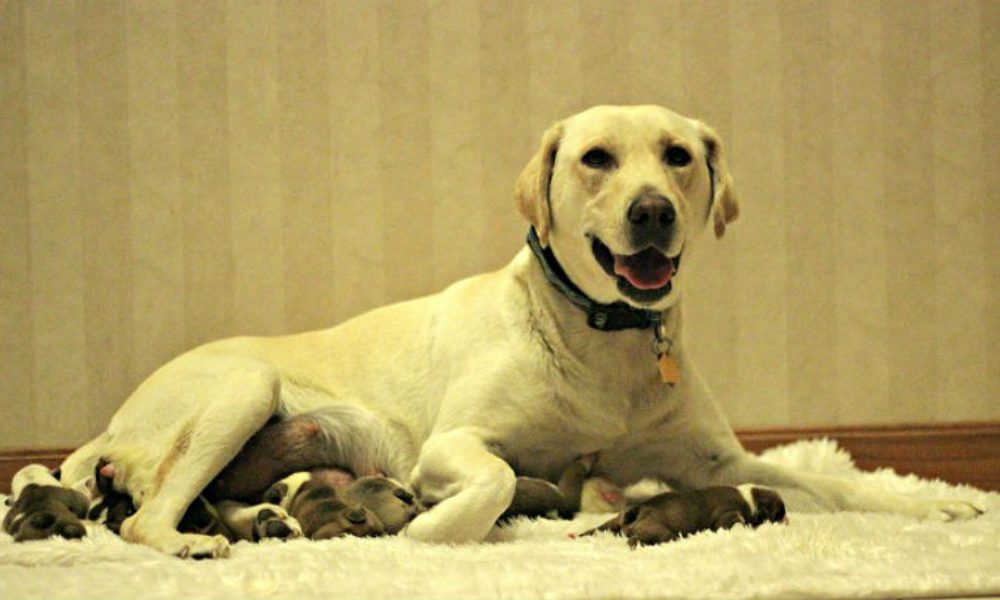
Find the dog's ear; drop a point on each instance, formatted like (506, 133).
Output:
(725, 207)
(532, 188)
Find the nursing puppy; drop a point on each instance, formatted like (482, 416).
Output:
(672, 515)
(368, 507)
(574, 348)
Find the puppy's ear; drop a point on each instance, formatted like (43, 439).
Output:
(532, 188)
(725, 207)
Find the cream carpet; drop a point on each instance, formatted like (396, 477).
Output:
(815, 555)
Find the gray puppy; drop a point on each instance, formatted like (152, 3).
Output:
(369, 506)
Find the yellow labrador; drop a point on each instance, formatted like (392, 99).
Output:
(573, 348)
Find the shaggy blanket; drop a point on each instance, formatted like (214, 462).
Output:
(815, 555)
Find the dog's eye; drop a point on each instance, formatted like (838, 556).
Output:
(675, 156)
(404, 496)
(598, 158)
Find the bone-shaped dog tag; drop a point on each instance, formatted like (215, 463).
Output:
(670, 370)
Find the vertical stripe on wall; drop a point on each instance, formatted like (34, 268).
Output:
(555, 69)
(16, 356)
(858, 200)
(604, 61)
(811, 281)
(204, 168)
(157, 215)
(910, 229)
(304, 92)
(506, 138)
(989, 57)
(755, 242)
(255, 166)
(358, 203)
(61, 381)
(453, 152)
(102, 106)
(403, 153)
(959, 198)
(655, 54)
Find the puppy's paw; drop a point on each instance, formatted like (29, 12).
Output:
(44, 511)
(44, 524)
(946, 510)
(197, 547)
(273, 522)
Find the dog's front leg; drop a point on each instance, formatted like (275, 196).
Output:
(704, 452)
(838, 493)
(468, 486)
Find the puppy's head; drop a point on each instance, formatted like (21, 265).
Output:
(621, 194)
(43, 511)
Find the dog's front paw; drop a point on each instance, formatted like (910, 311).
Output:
(169, 541)
(274, 522)
(947, 510)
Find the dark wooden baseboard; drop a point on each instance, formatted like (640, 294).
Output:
(966, 453)
(962, 453)
(12, 460)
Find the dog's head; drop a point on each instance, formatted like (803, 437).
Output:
(621, 194)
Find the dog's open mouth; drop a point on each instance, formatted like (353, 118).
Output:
(644, 276)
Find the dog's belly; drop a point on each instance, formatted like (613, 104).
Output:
(543, 462)
(547, 453)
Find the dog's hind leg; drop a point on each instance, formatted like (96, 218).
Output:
(229, 398)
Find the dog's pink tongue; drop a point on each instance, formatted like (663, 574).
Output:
(646, 270)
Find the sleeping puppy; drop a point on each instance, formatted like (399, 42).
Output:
(324, 511)
(672, 515)
(233, 520)
(43, 508)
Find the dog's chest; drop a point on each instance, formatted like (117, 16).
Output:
(577, 420)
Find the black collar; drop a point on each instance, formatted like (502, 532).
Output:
(602, 317)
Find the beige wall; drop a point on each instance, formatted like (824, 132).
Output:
(174, 172)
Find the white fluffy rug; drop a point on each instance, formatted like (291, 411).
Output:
(814, 556)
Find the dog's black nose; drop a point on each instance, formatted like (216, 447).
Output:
(651, 218)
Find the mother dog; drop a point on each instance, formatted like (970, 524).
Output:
(573, 348)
